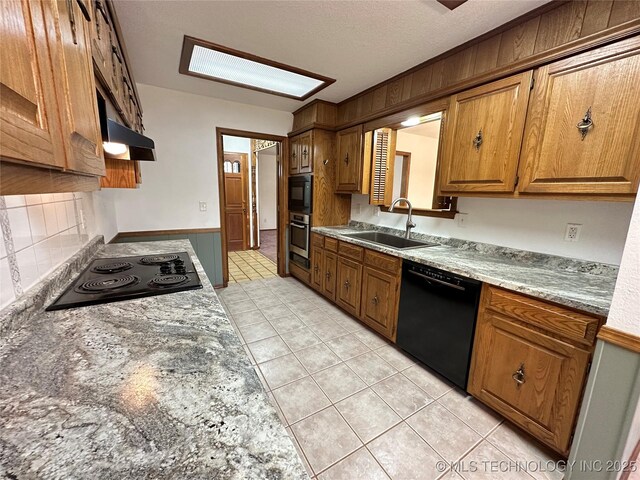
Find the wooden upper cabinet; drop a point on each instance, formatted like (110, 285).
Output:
(294, 156)
(305, 142)
(74, 80)
(101, 42)
(350, 163)
(29, 121)
(583, 129)
(484, 135)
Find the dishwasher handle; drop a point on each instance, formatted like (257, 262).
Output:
(435, 280)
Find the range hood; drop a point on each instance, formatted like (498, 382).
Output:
(120, 142)
(123, 143)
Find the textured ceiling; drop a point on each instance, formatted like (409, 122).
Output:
(357, 42)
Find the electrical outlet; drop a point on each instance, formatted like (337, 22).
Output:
(203, 206)
(462, 220)
(572, 233)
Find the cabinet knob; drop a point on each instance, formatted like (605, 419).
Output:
(585, 124)
(304, 152)
(346, 159)
(477, 140)
(347, 284)
(518, 376)
(375, 300)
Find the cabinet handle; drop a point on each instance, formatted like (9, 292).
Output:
(328, 275)
(477, 140)
(293, 155)
(518, 376)
(347, 284)
(316, 268)
(585, 124)
(304, 153)
(375, 300)
(72, 21)
(346, 159)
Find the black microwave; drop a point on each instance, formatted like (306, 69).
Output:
(300, 193)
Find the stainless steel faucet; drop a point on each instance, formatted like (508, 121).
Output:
(410, 224)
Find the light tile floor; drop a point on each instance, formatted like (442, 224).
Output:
(358, 408)
(250, 265)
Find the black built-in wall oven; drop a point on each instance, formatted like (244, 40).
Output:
(299, 236)
(300, 194)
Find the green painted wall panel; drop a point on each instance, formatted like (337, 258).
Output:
(208, 248)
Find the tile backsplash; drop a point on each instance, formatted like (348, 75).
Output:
(39, 232)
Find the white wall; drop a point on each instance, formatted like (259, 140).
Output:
(267, 191)
(184, 128)
(536, 225)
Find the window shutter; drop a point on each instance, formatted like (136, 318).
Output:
(384, 150)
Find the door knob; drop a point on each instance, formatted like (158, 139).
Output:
(518, 376)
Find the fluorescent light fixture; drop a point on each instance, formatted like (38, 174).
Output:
(413, 121)
(221, 64)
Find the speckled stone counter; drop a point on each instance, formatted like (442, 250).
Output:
(587, 286)
(153, 388)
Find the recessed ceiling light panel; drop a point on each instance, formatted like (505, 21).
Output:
(214, 62)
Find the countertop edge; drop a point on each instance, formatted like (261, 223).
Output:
(517, 287)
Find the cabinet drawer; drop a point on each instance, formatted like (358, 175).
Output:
(317, 240)
(331, 244)
(351, 251)
(573, 325)
(382, 261)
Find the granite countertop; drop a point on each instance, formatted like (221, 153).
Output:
(158, 387)
(586, 286)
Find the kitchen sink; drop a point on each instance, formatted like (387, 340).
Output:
(393, 241)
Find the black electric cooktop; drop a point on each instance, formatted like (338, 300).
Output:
(113, 279)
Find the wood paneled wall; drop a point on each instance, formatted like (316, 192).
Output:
(553, 31)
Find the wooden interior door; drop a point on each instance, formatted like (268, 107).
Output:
(484, 136)
(604, 85)
(29, 121)
(236, 198)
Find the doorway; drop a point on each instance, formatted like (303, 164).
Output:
(252, 185)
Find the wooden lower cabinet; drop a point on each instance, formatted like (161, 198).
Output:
(329, 267)
(349, 277)
(534, 376)
(379, 303)
(363, 282)
(317, 267)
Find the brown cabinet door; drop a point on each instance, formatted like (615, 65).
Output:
(379, 302)
(305, 141)
(348, 284)
(483, 136)
(533, 379)
(317, 254)
(349, 159)
(329, 264)
(583, 130)
(29, 121)
(75, 82)
(294, 156)
(101, 41)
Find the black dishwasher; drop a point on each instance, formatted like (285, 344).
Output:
(437, 319)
